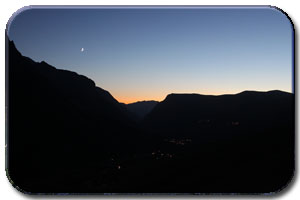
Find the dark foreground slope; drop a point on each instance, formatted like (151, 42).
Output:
(241, 143)
(60, 122)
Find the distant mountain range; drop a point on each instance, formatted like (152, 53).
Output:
(67, 135)
(141, 108)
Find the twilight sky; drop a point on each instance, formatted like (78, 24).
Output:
(144, 54)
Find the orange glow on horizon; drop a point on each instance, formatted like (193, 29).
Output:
(133, 99)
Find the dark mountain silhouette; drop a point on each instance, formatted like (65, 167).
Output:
(141, 108)
(247, 136)
(60, 120)
(195, 111)
(65, 135)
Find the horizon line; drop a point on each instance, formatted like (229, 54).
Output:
(259, 91)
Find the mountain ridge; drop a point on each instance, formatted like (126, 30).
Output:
(239, 93)
(188, 108)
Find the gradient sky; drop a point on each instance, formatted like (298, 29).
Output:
(144, 54)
